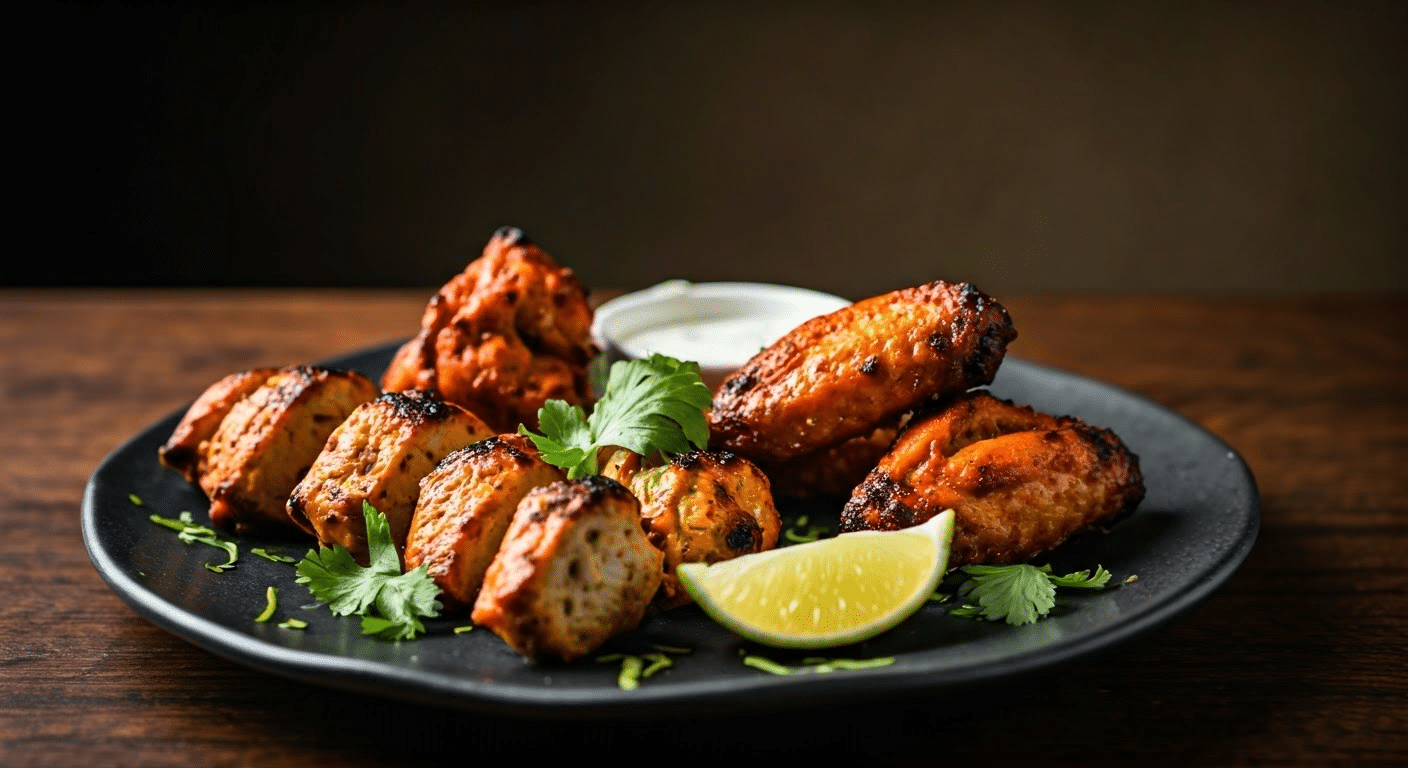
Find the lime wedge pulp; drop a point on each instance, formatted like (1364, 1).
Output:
(825, 593)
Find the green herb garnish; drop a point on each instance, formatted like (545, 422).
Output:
(188, 531)
(1021, 593)
(267, 555)
(390, 602)
(819, 664)
(271, 597)
(653, 407)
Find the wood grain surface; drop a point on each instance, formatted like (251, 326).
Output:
(1300, 660)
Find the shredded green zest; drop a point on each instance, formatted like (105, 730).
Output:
(635, 668)
(135, 499)
(817, 664)
(464, 629)
(801, 531)
(188, 531)
(271, 596)
(1019, 594)
(653, 407)
(293, 624)
(276, 557)
(390, 603)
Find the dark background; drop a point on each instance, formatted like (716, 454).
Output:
(1206, 148)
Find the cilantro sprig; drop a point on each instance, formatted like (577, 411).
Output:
(653, 407)
(1021, 593)
(390, 602)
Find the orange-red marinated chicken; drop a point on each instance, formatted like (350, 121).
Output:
(509, 332)
(378, 455)
(464, 510)
(846, 374)
(268, 440)
(1020, 482)
(185, 450)
(699, 507)
(574, 569)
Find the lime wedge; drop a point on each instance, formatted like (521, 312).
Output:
(828, 592)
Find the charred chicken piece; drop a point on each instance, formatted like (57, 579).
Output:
(573, 570)
(379, 455)
(185, 450)
(1020, 482)
(700, 507)
(465, 507)
(843, 375)
(269, 439)
(510, 332)
(833, 471)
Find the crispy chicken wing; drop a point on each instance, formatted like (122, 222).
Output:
(379, 455)
(574, 569)
(843, 375)
(465, 507)
(1020, 482)
(268, 440)
(700, 507)
(509, 332)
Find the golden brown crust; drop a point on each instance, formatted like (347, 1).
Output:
(842, 375)
(185, 450)
(379, 455)
(573, 570)
(465, 507)
(1020, 482)
(508, 333)
(704, 507)
(268, 440)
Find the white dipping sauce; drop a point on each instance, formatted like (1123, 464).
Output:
(711, 342)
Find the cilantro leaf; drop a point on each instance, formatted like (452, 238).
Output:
(389, 601)
(1021, 593)
(653, 407)
(1082, 579)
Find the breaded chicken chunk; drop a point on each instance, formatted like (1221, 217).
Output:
(185, 450)
(574, 569)
(465, 507)
(1020, 482)
(843, 375)
(269, 439)
(700, 507)
(508, 333)
(379, 455)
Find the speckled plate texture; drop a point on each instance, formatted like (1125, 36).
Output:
(1191, 533)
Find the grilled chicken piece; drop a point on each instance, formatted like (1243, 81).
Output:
(379, 455)
(1020, 482)
(700, 507)
(843, 375)
(834, 471)
(573, 570)
(186, 448)
(269, 439)
(466, 504)
(508, 333)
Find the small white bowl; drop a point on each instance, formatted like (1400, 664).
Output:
(718, 325)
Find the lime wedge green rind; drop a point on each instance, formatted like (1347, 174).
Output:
(825, 593)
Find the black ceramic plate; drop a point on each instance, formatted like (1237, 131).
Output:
(1192, 531)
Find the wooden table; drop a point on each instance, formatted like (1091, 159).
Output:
(1299, 660)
